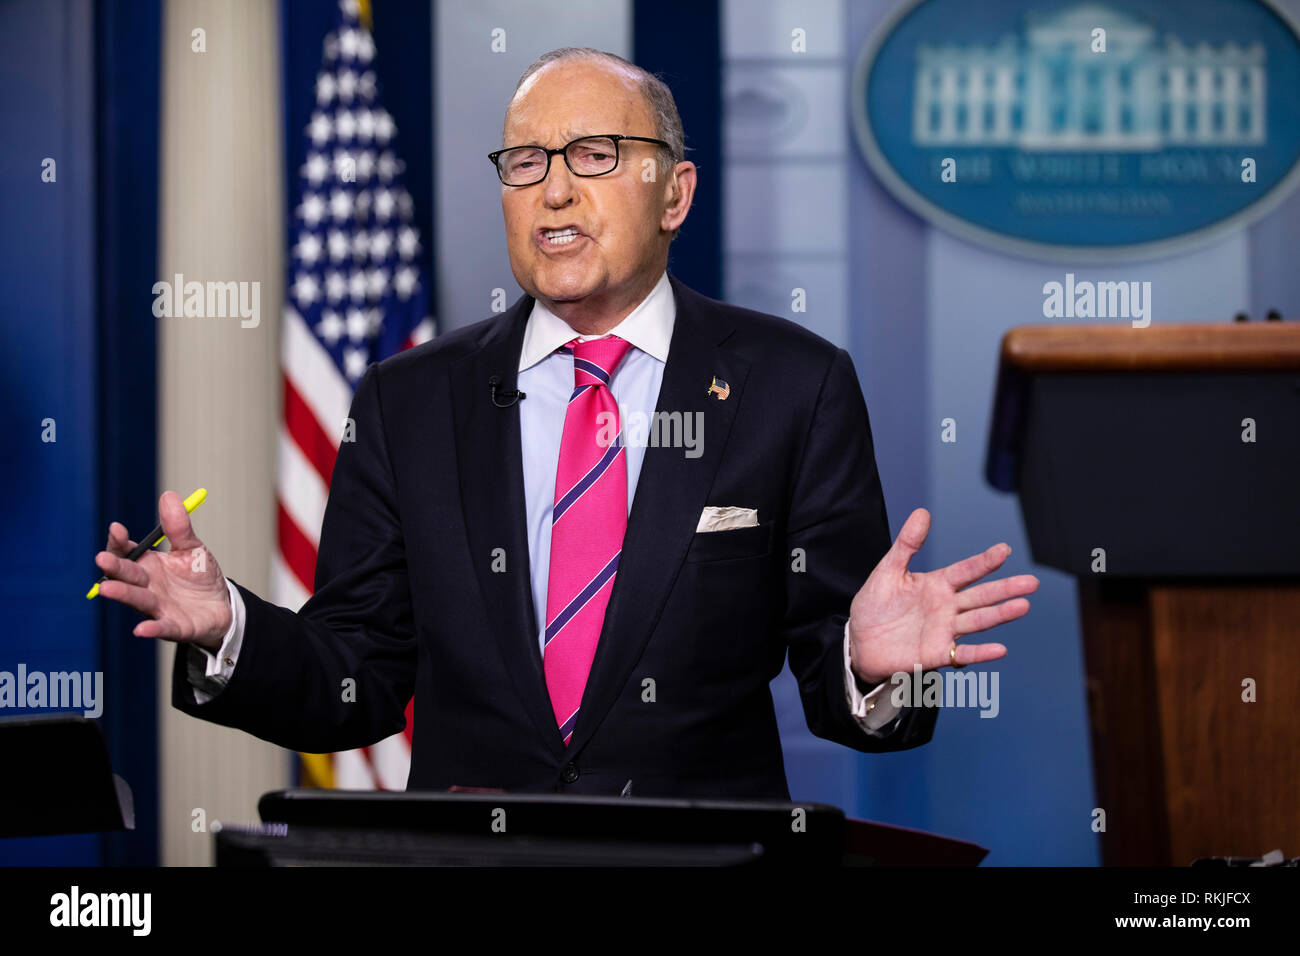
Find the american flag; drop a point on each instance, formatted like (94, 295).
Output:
(356, 294)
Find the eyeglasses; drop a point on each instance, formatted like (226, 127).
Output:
(588, 156)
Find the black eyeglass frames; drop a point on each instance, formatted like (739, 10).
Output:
(586, 156)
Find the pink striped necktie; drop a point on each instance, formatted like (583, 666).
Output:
(587, 526)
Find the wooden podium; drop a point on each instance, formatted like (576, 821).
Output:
(1126, 448)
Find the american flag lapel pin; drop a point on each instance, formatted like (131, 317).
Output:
(719, 388)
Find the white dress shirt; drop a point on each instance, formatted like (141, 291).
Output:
(546, 376)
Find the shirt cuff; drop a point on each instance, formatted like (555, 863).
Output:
(873, 711)
(209, 672)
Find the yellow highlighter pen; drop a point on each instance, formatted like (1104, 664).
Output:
(153, 538)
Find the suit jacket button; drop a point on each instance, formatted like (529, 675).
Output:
(570, 774)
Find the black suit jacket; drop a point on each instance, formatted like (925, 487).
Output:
(410, 601)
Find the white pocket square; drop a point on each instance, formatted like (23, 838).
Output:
(714, 518)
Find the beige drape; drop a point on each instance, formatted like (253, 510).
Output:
(221, 219)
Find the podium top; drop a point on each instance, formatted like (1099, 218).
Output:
(784, 832)
(1179, 347)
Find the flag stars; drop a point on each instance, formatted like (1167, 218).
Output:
(365, 165)
(309, 248)
(316, 168)
(325, 88)
(365, 46)
(306, 289)
(312, 209)
(361, 246)
(356, 245)
(388, 166)
(357, 285)
(336, 286)
(345, 125)
(343, 162)
(347, 86)
(354, 362)
(330, 326)
(340, 204)
(406, 282)
(339, 245)
(365, 125)
(320, 128)
(408, 242)
(381, 241)
(349, 42)
(358, 324)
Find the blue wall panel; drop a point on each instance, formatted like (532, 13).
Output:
(79, 348)
(48, 505)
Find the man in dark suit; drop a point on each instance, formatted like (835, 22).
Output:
(574, 606)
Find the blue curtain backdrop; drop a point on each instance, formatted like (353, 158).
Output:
(679, 40)
(79, 348)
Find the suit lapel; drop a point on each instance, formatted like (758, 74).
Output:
(671, 492)
(495, 513)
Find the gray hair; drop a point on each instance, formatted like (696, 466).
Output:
(668, 122)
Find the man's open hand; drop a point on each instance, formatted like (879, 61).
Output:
(181, 591)
(901, 619)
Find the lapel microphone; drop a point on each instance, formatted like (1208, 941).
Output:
(512, 396)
